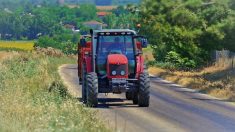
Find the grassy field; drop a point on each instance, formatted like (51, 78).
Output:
(21, 45)
(4, 55)
(33, 98)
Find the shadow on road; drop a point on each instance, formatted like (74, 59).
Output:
(117, 102)
(113, 102)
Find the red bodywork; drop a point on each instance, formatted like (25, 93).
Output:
(139, 61)
(139, 65)
(117, 59)
(85, 58)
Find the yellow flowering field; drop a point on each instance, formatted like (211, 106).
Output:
(23, 45)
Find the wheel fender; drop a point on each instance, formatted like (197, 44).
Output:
(87, 61)
(139, 66)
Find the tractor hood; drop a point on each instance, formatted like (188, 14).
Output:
(117, 59)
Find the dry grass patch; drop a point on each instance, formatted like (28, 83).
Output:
(7, 55)
(3, 55)
(214, 80)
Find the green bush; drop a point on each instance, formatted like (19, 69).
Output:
(64, 42)
(46, 41)
(165, 65)
(181, 63)
(69, 47)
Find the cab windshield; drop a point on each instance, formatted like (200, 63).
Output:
(115, 45)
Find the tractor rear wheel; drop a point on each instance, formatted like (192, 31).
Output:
(92, 89)
(129, 95)
(144, 87)
(84, 85)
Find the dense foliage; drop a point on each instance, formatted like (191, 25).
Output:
(65, 42)
(122, 17)
(187, 31)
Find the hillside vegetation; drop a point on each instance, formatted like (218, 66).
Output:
(33, 98)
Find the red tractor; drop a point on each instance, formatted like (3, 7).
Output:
(112, 62)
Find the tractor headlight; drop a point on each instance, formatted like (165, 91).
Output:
(114, 73)
(123, 73)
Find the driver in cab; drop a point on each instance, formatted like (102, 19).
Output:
(115, 47)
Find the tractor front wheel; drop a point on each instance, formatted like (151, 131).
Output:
(135, 98)
(129, 95)
(144, 87)
(92, 89)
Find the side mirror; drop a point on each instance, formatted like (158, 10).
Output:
(144, 43)
(83, 42)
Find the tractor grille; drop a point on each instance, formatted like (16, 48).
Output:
(118, 69)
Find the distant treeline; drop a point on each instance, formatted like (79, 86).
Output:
(13, 4)
(31, 21)
(104, 2)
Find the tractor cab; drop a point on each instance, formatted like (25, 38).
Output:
(115, 59)
(116, 49)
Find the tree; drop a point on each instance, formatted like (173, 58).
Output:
(87, 12)
(190, 28)
(121, 18)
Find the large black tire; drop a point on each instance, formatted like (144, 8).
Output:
(135, 95)
(144, 87)
(129, 95)
(135, 98)
(84, 85)
(92, 89)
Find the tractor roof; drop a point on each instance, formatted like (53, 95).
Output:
(114, 30)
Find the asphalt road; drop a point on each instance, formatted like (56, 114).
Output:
(172, 108)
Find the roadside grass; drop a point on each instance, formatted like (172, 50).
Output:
(33, 97)
(6, 55)
(17, 45)
(217, 80)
